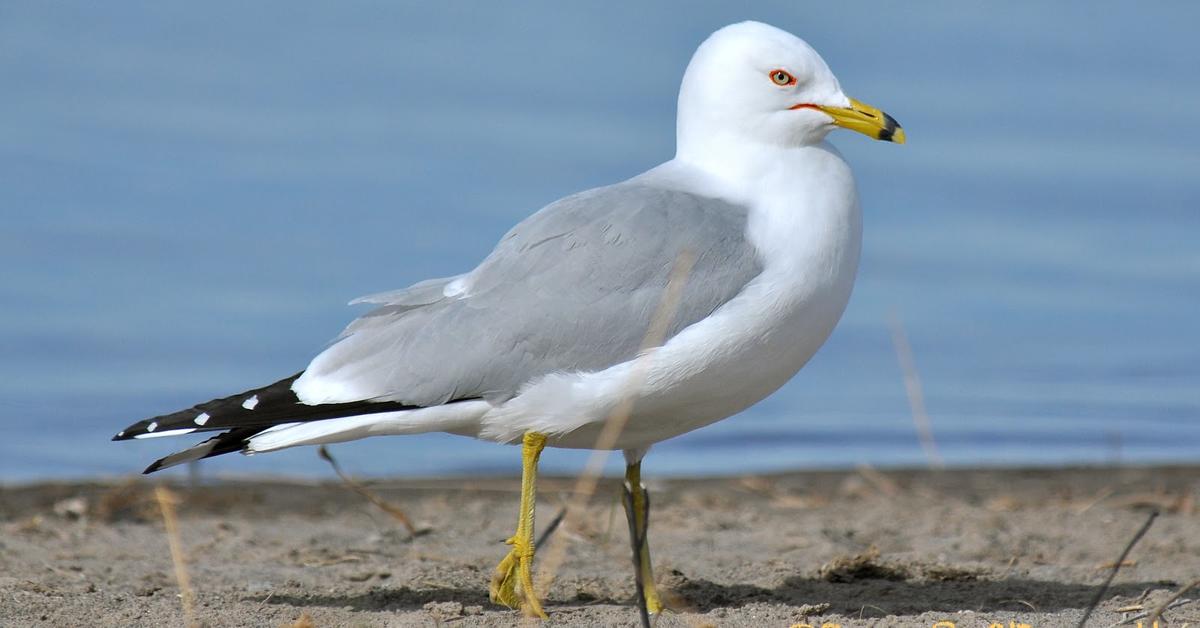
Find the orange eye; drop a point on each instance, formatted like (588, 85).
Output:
(782, 78)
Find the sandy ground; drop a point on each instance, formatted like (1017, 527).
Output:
(859, 548)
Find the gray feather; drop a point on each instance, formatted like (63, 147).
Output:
(572, 288)
(420, 293)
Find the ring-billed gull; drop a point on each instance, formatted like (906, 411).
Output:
(539, 343)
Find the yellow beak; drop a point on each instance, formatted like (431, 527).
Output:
(867, 120)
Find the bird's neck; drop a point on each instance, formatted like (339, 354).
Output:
(804, 211)
(747, 167)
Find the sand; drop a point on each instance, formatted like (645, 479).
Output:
(855, 548)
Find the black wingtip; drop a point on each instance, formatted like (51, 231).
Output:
(154, 466)
(133, 430)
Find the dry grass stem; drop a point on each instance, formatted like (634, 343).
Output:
(1116, 567)
(370, 496)
(1025, 603)
(881, 482)
(554, 523)
(1167, 603)
(1099, 497)
(916, 394)
(1182, 503)
(585, 486)
(166, 503)
(1136, 618)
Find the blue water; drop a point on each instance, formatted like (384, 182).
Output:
(189, 192)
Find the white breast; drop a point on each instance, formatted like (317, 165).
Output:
(806, 223)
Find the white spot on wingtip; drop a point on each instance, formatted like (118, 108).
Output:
(250, 403)
(202, 418)
(120, 434)
(153, 426)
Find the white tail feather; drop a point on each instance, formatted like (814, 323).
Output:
(459, 417)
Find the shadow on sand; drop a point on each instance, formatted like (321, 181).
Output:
(866, 597)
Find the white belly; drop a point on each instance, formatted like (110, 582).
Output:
(705, 374)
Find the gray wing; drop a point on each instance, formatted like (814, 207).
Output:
(572, 288)
(420, 293)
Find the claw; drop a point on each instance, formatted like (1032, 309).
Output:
(503, 588)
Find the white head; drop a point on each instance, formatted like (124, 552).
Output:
(754, 82)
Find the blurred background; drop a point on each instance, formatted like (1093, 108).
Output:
(191, 192)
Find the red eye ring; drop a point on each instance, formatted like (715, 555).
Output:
(782, 78)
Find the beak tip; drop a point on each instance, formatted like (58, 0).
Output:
(863, 118)
(891, 131)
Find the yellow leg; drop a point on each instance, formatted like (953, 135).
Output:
(517, 567)
(637, 511)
